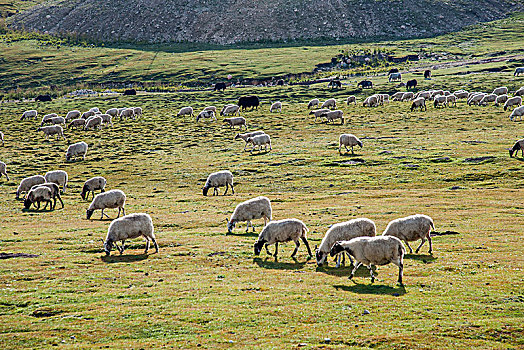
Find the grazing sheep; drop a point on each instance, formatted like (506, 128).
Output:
(488, 98)
(106, 119)
(37, 195)
(93, 123)
(206, 114)
(348, 140)
(397, 96)
(129, 113)
(76, 149)
(420, 103)
(211, 108)
(384, 98)
(411, 228)
(371, 251)
(514, 101)
(95, 109)
(57, 121)
(329, 103)
(88, 114)
(475, 99)
(3, 170)
(248, 135)
(407, 96)
(518, 71)
(47, 118)
(461, 94)
(501, 99)
(440, 101)
(344, 231)
(110, 199)
(260, 140)
(218, 179)
(29, 114)
(185, 111)
(500, 91)
(313, 103)
(331, 116)
(519, 145)
(451, 100)
(137, 112)
(58, 177)
(55, 193)
(435, 93)
(353, 99)
(517, 112)
(76, 123)
(27, 183)
(520, 92)
(2, 137)
(318, 113)
(371, 101)
(240, 121)
(252, 209)
(425, 94)
(276, 106)
(112, 112)
(93, 184)
(129, 227)
(282, 231)
(72, 115)
(52, 130)
(230, 110)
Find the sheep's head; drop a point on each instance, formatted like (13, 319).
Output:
(84, 191)
(27, 203)
(89, 213)
(258, 246)
(204, 190)
(230, 226)
(108, 245)
(337, 248)
(321, 256)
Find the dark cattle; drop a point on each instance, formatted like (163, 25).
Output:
(43, 98)
(280, 82)
(248, 101)
(129, 92)
(365, 84)
(335, 84)
(393, 70)
(220, 86)
(427, 74)
(411, 84)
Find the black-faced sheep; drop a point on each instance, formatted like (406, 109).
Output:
(93, 184)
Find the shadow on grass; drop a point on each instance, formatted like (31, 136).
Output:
(345, 271)
(244, 234)
(34, 210)
(124, 258)
(272, 263)
(258, 153)
(425, 258)
(372, 289)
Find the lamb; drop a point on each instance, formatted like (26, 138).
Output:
(276, 106)
(129, 227)
(230, 110)
(517, 112)
(371, 251)
(88, 114)
(52, 130)
(313, 103)
(112, 112)
(514, 101)
(371, 101)
(461, 94)
(419, 102)
(93, 123)
(137, 111)
(218, 179)
(240, 121)
(332, 115)
(76, 123)
(519, 145)
(37, 195)
(252, 209)
(329, 103)
(488, 98)
(260, 140)
(247, 135)
(353, 99)
(185, 111)
(29, 114)
(206, 114)
(451, 100)
(407, 96)
(73, 115)
(27, 183)
(93, 184)
(475, 99)
(440, 100)
(344, 231)
(47, 118)
(318, 113)
(500, 91)
(76, 149)
(411, 228)
(55, 193)
(110, 199)
(282, 231)
(348, 140)
(3, 170)
(501, 99)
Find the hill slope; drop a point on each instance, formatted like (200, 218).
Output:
(233, 21)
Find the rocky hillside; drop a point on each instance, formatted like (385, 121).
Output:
(234, 21)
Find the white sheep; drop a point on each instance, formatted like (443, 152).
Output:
(411, 228)
(3, 170)
(37, 195)
(57, 120)
(211, 108)
(407, 96)
(500, 91)
(28, 182)
(419, 102)
(282, 231)
(451, 100)
(397, 96)
(514, 101)
(106, 118)
(344, 231)
(331, 116)
(95, 109)
(348, 140)
(520, 92)
(230, 110)
(384, 98)
(329, 103)
(58, 177)
(260, 140)
(110, 199)
(72, 115)
(52, 130)
(425, 94)
(488, 98)
(127, 113)
(29, 114)
(240, 121)
(129, 227)
(218, 179)
(519, 145)
(313, 103)
(137, 111)
(501, 99)
(247, 135)
(318, 113)
(55, 193)
(252, 209)
(93, 123)
(75, 123)
(76, 149)
(371, 101)
(206, 114)
(112, 112)
(369, 251)
(87, 114)
(461, 94)
(185, 111)
(517, 112)
(353, 99)
(276, 106)
(47, 118)
(93, 184)
(436, 93)
(475, 99)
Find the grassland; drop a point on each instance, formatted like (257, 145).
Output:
(206, 290)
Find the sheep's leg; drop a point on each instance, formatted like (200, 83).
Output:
(347, 149)
(123, 211)
(123, 245)
(267, 250)
(370, 268)
(45, 206)
(54, 203)
(350, 259)
(253, 227)
(354, 270)
(155, 244)
(410, 250)
(118, 248)
(232, 189)
(215, 191)
(297, 244)
(352, 150)
(400, 265)
(147, 245)
(421, 244)
(430, 244)
(276, 250)
(339, 148)
(227, 188)
(61, 202)
(37, 205)
(247, 226)
(337, 259)
(307, 245)
(107, 216)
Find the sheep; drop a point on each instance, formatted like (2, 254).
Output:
(517, 112)
(371, 101)
(500, 91)
(137, 111)
(353, 99)
(252, 209)
(344, 231)
(461, 94)
(129, 227)
(451, 100)
(384, 98)
(230, 110)
(348, 140)
(514, 101)
(27, 183)
(29, 114)
(518, 71)
(94, 123)
(2, 137)
(37, 195)
(275, 106)
(411, 228)
(440, 100)
(47, 118)
(501, 99)
(282, 231)
(313, 103)
(488, 98)
(520, 92)
(259, 140)
(106, 119)
(519, 145)
(73, 115)
(185, 111)
(76, 123)
(435, 93)
(240, 121)
(332, 115)
(129, 113)
(218, 179)
(112, 112)
(397, 96)
(329, 103)
(95, 109)
(52, 130)
(55, 193)
(419, 102)
(206, 114)
(425, 94)
(371, 251)
(318, 113)
(58, 177)
(87, 114)
(247, 135)
(110, 199)
(57, 121)
(76, 149)
(475, 99)
(3, 170)
(211, 108)
(119, 110)
(93, 184)
(407, 96)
